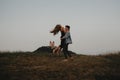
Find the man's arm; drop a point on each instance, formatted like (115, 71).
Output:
(66, 35)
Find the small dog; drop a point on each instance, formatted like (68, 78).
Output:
(55, 49)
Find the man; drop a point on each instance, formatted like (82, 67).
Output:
(68, 41)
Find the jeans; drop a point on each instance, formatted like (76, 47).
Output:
(65, 51)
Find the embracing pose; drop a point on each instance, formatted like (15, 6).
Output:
(68, 41)
(65, 39)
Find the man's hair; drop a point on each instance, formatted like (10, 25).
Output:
(67, 26)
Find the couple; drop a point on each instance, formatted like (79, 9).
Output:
(65, 39)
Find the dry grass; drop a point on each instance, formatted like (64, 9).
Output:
(30, 66)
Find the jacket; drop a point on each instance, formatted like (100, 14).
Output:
(67, 38)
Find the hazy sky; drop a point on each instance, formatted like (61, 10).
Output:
(95, 24)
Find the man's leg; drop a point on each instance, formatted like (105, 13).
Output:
(68, 51)
(65, 50)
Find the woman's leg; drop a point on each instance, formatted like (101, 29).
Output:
(58, 50)
(55, 50)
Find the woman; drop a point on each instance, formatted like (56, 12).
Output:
(55, 31)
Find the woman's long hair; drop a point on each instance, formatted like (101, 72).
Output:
(56, 29)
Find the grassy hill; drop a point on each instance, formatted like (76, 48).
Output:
(35, 66)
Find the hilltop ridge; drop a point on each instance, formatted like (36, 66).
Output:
(32, 66)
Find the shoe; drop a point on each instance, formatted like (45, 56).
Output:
(71, 58)
(65, 60)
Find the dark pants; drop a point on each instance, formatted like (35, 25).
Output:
(65, 51)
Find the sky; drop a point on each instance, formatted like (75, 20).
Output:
(95, 24)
